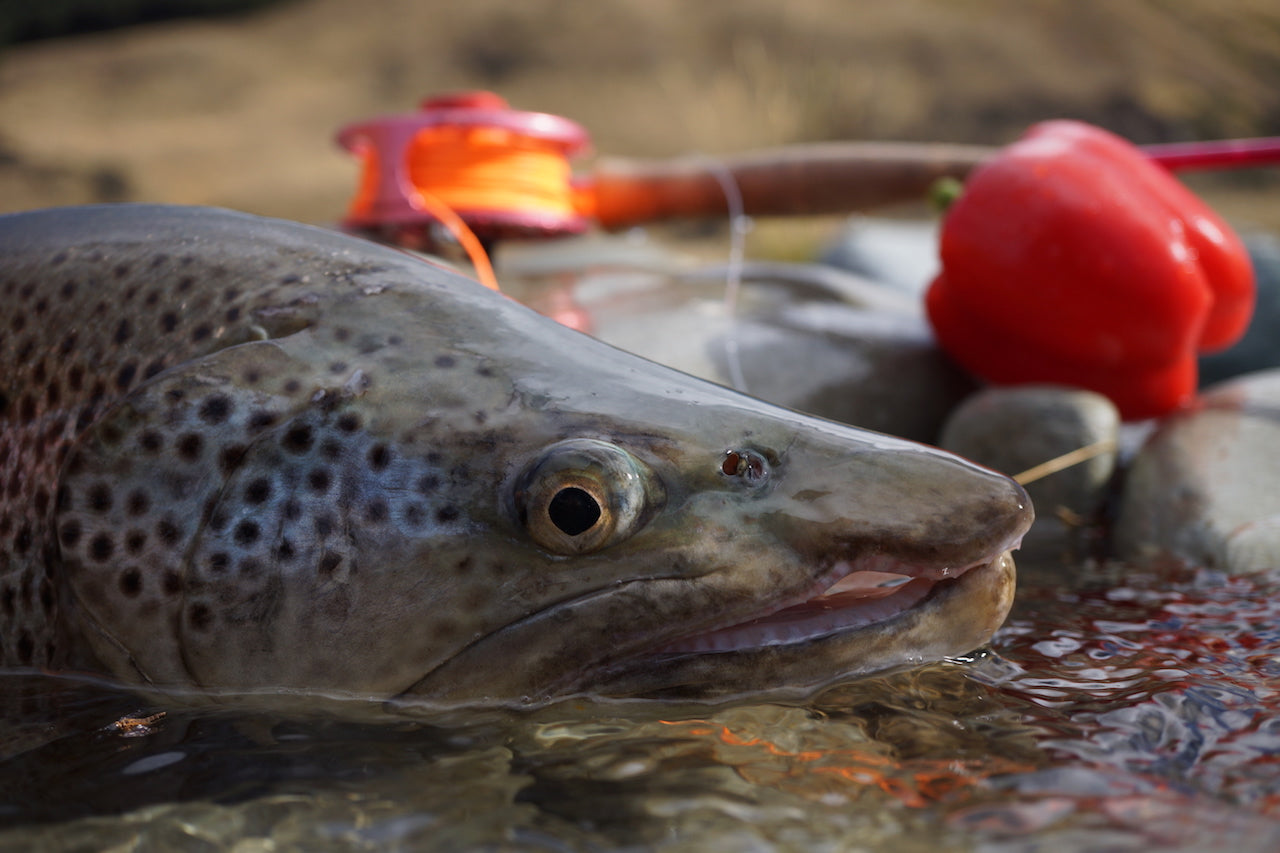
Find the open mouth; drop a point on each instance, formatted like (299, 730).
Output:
(856, 598)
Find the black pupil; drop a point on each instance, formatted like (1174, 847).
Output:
(573, 511)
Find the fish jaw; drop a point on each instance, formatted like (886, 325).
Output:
(949, 618)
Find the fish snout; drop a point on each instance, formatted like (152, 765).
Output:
(898, 506)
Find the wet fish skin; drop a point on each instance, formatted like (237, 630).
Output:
(241, 453)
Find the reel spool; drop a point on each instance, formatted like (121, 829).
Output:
(505, 173)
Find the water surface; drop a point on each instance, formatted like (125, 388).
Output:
(1120, 708)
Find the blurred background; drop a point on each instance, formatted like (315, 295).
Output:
(235, 102)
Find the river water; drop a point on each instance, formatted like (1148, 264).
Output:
(1120, 708)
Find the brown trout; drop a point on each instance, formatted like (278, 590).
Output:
(242, 454)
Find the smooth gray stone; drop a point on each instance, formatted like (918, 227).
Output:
(807, 336)
(875, 368)
(1205, 487)
(1015, 429)
(1259, 349)
(898, 252)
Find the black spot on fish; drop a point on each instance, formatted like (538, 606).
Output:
(414, 515)
(138, 502)
(427, 484)
(258, 491)
(99, 496)
(168, 321)
(447, 514)
(131, 582)
(329, 563)
(153, 368)
(379, 457)
(318, 479)
(110, 434)
(123, 332)
(445, 361)
(22, 539)
(199, 617)
(216, 408)
(230, 457)
(260, 419)
(298, 439)
(200, 332)
(151, 441)
(125, 375)
(324, 525)
(376, 512)
(331, 449)
(247, 532)
(101, 547)
(135, 541)
(189, 446)
(167, 531)
(218, 562)
(75, 377)
(285, 551)
(348, 422)
(171, 583)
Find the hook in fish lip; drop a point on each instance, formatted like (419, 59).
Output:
(857, 598)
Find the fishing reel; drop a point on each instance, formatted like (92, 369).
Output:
(466, 156)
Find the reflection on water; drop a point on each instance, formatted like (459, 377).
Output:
(1119, 709)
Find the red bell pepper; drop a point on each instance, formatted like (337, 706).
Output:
(1072, 259)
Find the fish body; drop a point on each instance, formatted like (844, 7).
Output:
(246, 454)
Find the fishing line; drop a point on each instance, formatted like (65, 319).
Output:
(484, 173)
(465, 237)
(1066, 460)
(739, 225)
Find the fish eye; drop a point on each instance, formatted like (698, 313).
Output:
(582, 495)
(746, 465)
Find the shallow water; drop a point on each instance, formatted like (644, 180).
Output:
(1119, 709)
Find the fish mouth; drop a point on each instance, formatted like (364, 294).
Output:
(847, 597)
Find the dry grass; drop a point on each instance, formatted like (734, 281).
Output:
(241, 112)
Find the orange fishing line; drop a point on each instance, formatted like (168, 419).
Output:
(475, 170)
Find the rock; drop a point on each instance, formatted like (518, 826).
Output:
(805, 336)
(1260, 347)
(902, 253)
(1016, 429)
(1203, 488)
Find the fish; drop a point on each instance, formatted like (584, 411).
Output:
(243, 455)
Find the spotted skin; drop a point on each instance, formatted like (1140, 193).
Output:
(239, 453)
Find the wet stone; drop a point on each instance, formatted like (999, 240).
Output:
(1203, 486)
(1014, 430)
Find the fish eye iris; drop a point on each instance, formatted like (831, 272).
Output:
(574, 511)
(581, 495)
